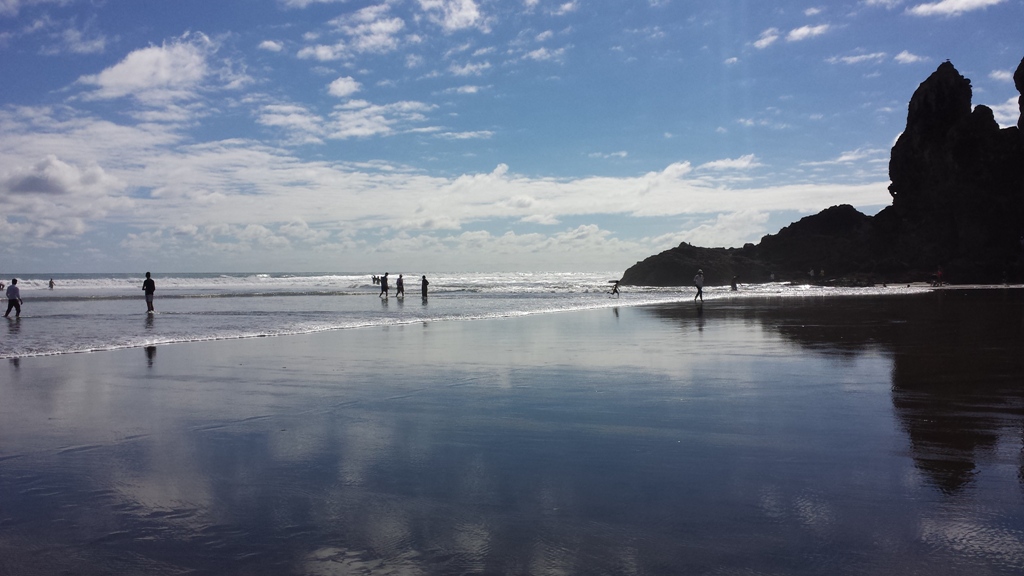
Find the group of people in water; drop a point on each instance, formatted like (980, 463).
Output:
(399, 286)
(14, 302)
(149, 288)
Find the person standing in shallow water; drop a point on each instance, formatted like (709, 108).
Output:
(698, 281)
(423, 286)
(13, 299)
(400, 287)
(383, 286)
(149, 287)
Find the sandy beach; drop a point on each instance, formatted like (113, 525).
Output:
(834, 435)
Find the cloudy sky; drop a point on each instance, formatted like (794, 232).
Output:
(455, 135)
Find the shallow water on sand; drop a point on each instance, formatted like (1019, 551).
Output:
(867, 435)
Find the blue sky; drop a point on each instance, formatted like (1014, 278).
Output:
(455, 135)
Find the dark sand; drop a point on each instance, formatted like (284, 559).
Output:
(869, 435)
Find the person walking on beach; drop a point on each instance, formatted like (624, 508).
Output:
(383, 286)
(13, 299)
(423, 286)
(698, 281)
(400, 287)
(148, 286)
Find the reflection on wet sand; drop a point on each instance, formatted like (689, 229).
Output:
(746, 437)
(957, 356)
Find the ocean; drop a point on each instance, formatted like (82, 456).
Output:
(94, 312)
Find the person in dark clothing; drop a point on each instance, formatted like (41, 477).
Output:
(149, 287)
(13, 299)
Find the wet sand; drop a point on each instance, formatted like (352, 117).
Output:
(875, 435)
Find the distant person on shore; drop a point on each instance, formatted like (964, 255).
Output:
(698, 281)
(400, 287)
(615, 288)
(734, 288)
(423, 286)
(383, 286)
(51, 283)
(149, 287)
(13, 299)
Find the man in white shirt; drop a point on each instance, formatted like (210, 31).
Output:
(13, 298)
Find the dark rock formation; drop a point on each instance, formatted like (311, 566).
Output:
(957, 186)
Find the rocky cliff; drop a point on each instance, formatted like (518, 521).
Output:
(957, 187)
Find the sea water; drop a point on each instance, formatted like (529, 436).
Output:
(93, 312)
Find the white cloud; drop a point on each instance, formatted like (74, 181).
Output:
(157, 73)
(56, 200)
(467, 89)
(469, 69)
(543, 54)
(344, 87)
(306, 3)
(1001, 75)
(745, 162)
(77, 41)
(466, 135)
(852, 156)
(608, 155)
(370, 30)
(324, 52)
(566, 8)
(454, 15)
(951, 7)
(361, 119)
(767, 38)
(271, 46)
(304, 126)
(906, 57)
(813, 11)
(805, 32)
(885, 3)
(731, 61)
(858, 58)
(1007, 113)
(727, 229)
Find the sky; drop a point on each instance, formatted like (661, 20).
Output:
(455, 135)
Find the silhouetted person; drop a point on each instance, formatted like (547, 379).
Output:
(51, 283)
(698, 281)
(13, 299)
(149, 287)
(734, 288)
(615, 288)
(400, 287)
(423, 286)
(384, 285)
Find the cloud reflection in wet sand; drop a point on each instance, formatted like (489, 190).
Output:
(778, 438)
